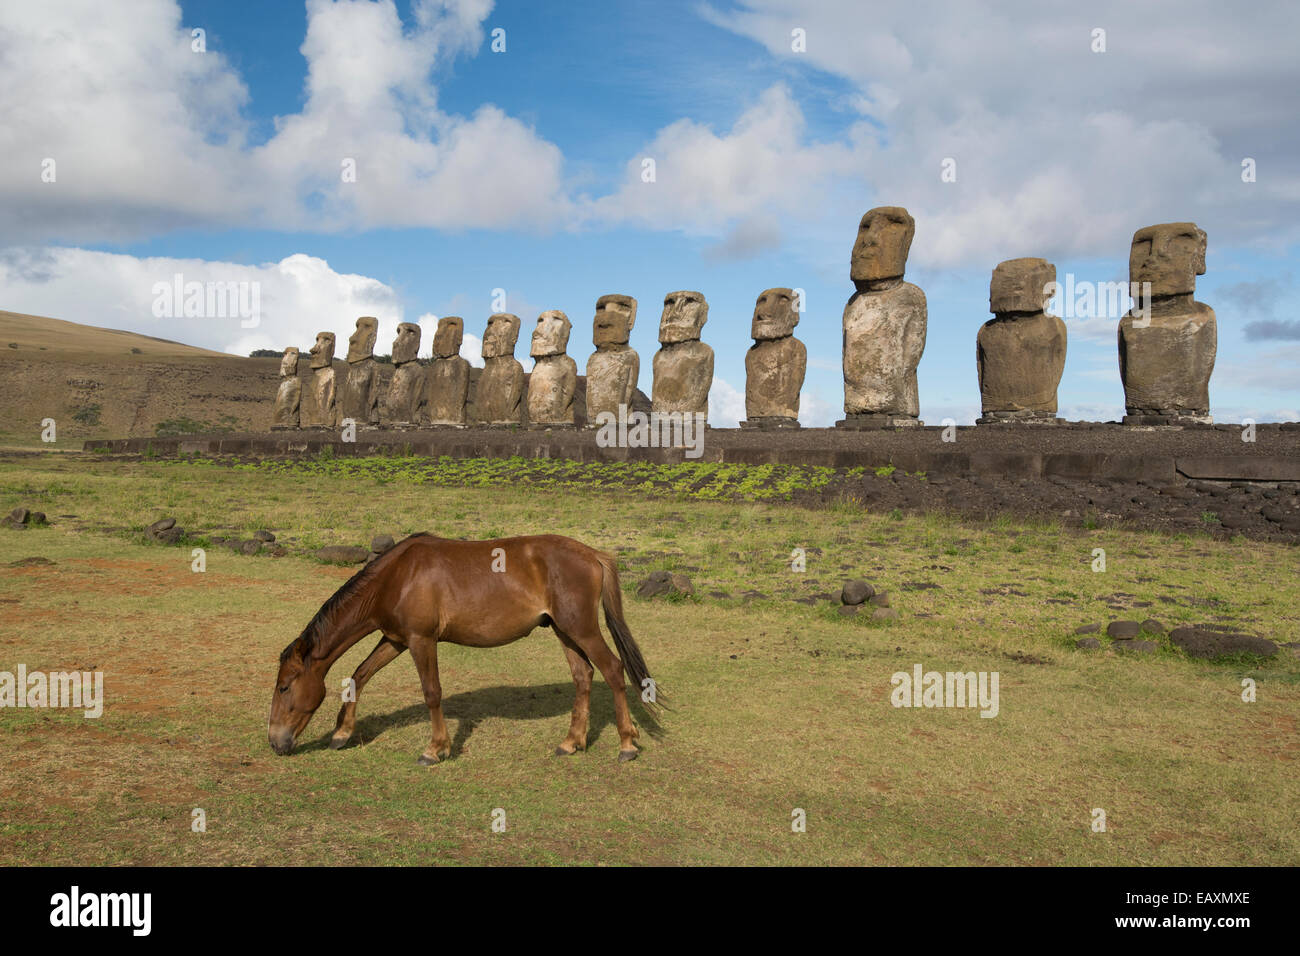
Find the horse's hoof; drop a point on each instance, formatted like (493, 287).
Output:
(625, 755)
(424, 760)
(338, 743)
(561, 752)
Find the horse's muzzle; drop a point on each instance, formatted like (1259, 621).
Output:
(282, 742)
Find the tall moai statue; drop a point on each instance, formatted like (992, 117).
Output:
(1020, 352)
(288, 398)
(405, 400)
(614, 367)
(683, 366)
(554, 380)
(447, 379)
(1167, 343)
(775, 364)
(361, 387)
(884, 325)
(499, 396)
(324, 412)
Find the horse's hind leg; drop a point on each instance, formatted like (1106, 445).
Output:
(585, 631)
(385, 652)
(582, 670)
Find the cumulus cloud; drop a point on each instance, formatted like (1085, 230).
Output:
(146, 135)
(291, 300)
(726, 404)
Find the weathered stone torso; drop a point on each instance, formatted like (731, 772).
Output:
(1020, 359)
(884, 336)
(551, 388)
(1166, 366)
(774, 373)
(288, 400)
(325, 414)
(683, 374)
(405, 394)
(360, 400)
(498, 397)
(448, 389)
(611, 381)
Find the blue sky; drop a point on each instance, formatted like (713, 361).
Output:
(519, 170)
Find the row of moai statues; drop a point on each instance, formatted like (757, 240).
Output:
(1167, 346)
(1167, 342)
(439, 393)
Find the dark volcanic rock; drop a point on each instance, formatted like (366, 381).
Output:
(664, 584)
(856, 592)
(342, 554)
(1087, 644)
(1206, 643)
(1123, 630)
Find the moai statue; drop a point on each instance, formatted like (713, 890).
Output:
(613, 368)
(1167, 344)
(775, 364)
(448, 376)
(884, 325)
(1020, 352)
(288, 400)
(361, 387)
(683, 366)
(406, 390)
(554, 380)
(325, 414)
(498, 398)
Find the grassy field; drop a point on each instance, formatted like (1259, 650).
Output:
(778, 705)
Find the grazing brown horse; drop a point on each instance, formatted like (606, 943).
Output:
(476, 593)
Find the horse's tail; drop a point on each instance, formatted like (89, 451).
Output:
(611, 599)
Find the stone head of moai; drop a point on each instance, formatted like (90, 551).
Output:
(1021, 285)
(884, 240)
(1169, 256)
(615, 317)
(289, 363)
(775, 315)
(407, 344)
(361, 345)
(501, 335)
(449, 335)
(551, 337)
(322, 353)
(683, 318)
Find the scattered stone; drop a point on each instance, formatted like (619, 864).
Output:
(381, 543)
(848, 610)
(264, 536)
(1152, 626)
(342, 554)
(1123, 630)
(1087, 643)
(1205, 643)
(170, 536)
(250, 547)
(885, 614)
(1087, 629)
(880, 599)
(35, 562)
(161, 525)
(856, 592)
(665, 584)
(19, 515)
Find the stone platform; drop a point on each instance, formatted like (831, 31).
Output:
(1103, 451)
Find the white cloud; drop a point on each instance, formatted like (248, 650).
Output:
(296, 297)
(148, 136)
(726, 404)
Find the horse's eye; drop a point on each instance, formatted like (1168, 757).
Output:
(284, 689)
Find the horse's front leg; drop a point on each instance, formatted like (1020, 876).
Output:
(425, 653)
(385, 652)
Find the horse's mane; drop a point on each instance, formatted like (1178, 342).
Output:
(309, 639)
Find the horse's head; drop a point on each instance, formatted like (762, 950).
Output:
(299, 690)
